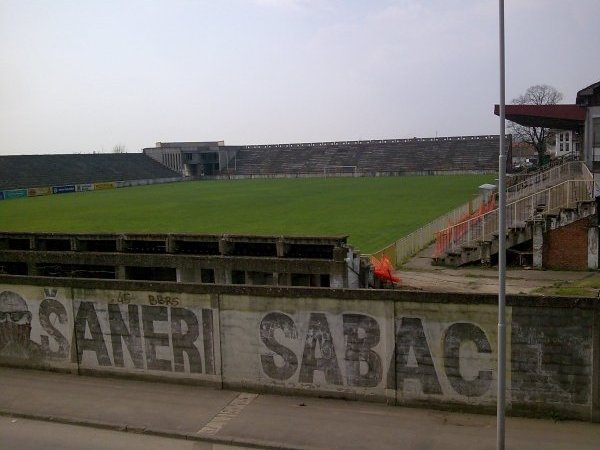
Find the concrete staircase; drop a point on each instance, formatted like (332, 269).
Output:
(536, 207)
(516, 235)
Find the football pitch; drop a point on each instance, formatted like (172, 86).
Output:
(373, 212)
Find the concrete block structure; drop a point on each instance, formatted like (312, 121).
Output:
(204, 259)
(193, 159)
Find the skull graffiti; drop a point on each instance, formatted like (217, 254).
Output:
(15, 328)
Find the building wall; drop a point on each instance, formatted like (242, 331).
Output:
(406, 348)
(591, 153)
(565, 143)
(566, 247)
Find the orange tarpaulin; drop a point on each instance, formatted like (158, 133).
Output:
(384, 269)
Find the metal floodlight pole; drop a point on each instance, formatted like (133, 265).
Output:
(500, 411)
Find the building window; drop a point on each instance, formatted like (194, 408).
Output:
(596, 131)
(561, 146)
(567, 147)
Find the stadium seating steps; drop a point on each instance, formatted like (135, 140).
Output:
(419, 155)
(25, 171)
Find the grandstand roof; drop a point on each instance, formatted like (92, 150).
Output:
(564, 117)
(25, 171)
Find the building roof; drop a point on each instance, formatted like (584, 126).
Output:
(589, 96)
(564, 117)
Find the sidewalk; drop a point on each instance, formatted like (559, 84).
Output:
(269, 421)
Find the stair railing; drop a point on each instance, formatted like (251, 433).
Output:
(405, 247)
(571, 170)
(547, 201)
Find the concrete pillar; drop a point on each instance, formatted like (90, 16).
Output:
(282, 248)
(225, 246)
(120, 273)
(170, 245)
(593, 248)
(486, 253)
(596, 368)
(338, 278)
(538, 243)
(120, 243)
(221, 275)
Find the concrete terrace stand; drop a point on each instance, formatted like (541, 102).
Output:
(398, 347)
(208, 259)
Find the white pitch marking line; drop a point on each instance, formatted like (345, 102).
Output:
(231, 411)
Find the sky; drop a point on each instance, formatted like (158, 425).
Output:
(84, 76)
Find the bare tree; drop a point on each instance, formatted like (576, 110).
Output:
(119, 148)
(540, 94)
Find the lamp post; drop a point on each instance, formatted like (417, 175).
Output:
(500, 408)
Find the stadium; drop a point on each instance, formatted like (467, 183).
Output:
(303, 306)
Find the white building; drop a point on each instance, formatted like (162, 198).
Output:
(566, 143)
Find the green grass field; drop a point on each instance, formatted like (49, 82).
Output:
(372, 211)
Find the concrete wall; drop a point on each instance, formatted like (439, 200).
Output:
(407, 348)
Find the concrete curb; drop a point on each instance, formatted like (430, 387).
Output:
(223, 440)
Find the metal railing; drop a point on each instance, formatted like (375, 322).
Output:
(551, 200)
(409, 245)
(405, 247)
(572, 170)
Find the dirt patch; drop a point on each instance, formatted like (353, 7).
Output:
(419, 274)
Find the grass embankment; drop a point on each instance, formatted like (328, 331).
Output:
(586, 287)
(372, 211)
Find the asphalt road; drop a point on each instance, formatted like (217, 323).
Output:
(20, 434)
(249, 420)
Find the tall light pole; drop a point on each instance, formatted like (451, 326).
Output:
(500, 409)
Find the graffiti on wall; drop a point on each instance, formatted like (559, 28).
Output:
(424, 352)
(144, 331)
(37, 326)
(159, 337)
(459, 362)
(33, 330)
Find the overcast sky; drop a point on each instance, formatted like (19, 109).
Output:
(82, 76)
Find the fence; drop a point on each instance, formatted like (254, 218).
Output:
(407, 246)
(483, 228)
(82, 187)
(356, 173)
